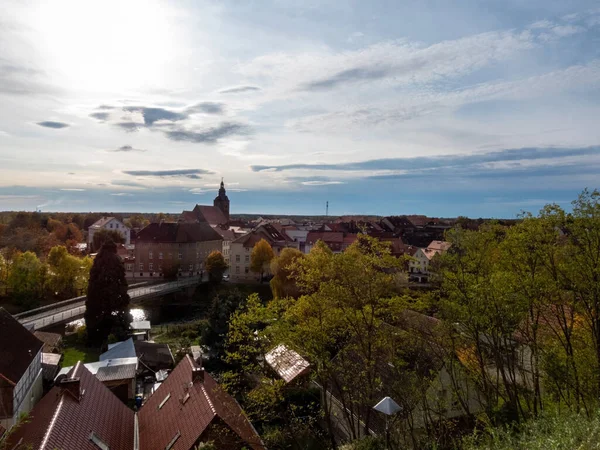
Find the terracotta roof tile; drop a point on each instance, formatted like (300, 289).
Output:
(60, 420)
(187, 402)
(172, 232)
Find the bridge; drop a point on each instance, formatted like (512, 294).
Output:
(74, 308)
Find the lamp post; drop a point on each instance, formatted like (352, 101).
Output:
(388, 407)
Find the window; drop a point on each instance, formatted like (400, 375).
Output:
(129, 267)
(141, 266)
(237, 258)
(150, 267)
(159, 267)
(111, 225)
(180, 255)
(237, 269)
(246, 270)
(99, 442)
(191, 267)
(247, 259)
(164, 401)
(150, 255)
(160, 255)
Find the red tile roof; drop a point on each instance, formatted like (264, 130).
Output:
(441, 246)
(62, 421)
(172, 232)
(210, 214)
(18, 347)
(325, 236)
(188, 402)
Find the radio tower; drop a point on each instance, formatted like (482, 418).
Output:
(326, 208)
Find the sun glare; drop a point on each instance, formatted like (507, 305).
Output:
(106, 46)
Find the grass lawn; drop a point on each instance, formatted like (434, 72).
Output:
(73, 352)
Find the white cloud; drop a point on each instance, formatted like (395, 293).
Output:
(320, 183)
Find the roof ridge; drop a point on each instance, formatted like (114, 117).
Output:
(52, 422)
(212, 407)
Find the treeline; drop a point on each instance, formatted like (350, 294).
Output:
(26, 280)
(510, 332)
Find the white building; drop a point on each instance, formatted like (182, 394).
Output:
(418, 267)
(112, 224)
(20, 370)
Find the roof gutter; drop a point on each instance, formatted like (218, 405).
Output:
(136, 432)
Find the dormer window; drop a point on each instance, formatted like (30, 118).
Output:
(99, 442)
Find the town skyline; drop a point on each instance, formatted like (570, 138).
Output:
(476, 110)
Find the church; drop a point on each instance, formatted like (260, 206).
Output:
(216, 215)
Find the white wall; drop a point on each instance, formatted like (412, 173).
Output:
(114, 225)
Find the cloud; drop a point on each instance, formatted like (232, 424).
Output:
(15, 197)
(320, 183)
(152, 115)
(106, 107)
(209, 135)
(207, 108)
(52, 124)
(122, 194)
(129, 126)
(127, 183)
(239, 89)
(100, 115)
(424, 164)
(187, 173)
(127, 148)
(21, 79)
(348, 76)
(73, 189)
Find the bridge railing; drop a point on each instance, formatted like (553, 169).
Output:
(55, 315)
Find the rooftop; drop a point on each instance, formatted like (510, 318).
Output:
(286, 362)
(18, 347)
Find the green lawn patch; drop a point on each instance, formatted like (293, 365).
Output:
(73, 352)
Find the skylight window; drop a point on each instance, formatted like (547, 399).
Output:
(172, 443)
(164, 401)
(99, 442)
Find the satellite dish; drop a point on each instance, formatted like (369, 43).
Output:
(387, 406)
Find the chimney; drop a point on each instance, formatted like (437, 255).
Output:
(72, 386)
(198, 375)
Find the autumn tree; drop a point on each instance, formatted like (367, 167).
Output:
(215, 266)
(261, 257)
(107, 303)
(282, 283)
(103, 236)
(68, 274)
(27, 277)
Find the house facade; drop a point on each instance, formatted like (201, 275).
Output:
(111, 224)
(419, 266)
(241, 250)
(21, 382)
(163, 248)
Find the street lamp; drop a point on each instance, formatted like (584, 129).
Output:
(388, 407)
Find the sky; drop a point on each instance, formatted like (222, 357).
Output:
(480, 108)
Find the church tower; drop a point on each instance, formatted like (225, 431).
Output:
(222, 201)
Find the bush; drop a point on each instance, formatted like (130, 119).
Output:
(81, 335)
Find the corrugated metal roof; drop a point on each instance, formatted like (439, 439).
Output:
(120, 372)
(125, 349)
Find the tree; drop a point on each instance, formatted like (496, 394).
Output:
(27, 277)
(215, 266)
(107, 303)
(68, 274)
(261, 257)
(102, 236)
(282, 283)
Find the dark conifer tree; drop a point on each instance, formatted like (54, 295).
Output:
(107, 303)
